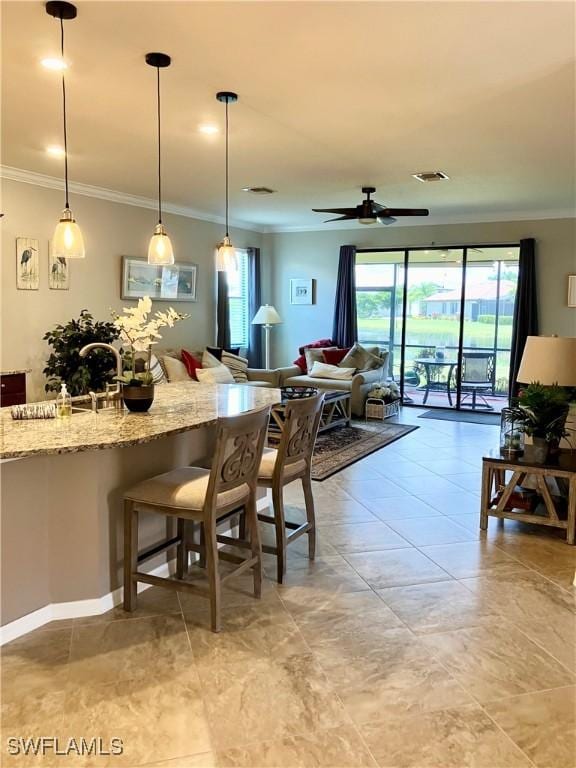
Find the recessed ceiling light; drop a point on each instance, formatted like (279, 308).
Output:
(57, 64)
(55, 151)
(208, 129)
(431, 176)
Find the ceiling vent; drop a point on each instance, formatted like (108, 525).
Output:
(425, 176)
(259, 190)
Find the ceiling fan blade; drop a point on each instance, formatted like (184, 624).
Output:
(343, 211)
(405, 212)
(341, 218)
(386, 220)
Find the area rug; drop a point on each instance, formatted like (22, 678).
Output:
(469, 416)
(338, 448)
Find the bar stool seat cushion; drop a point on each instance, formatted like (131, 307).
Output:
(269, 460)
(183, 488)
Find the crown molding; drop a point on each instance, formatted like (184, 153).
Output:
(428, 221)
(113, 196)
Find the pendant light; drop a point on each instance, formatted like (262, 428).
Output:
(160, 248)
(67, 242)
(226, 258)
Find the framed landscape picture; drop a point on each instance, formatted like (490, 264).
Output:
(27, 264)
(301, 291)
(176, 282)
(58, 272)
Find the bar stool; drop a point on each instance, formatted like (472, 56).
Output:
(292, 460)
(207, 497)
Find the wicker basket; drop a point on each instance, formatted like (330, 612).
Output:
(376, 408)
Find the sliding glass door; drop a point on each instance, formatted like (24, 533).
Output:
(446, 315)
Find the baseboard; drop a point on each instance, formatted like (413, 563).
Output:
(80, 608)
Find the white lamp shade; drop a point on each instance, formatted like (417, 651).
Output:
(266, 315)
(226, 257)
(160, 249)
(68, 242)
(549, 360)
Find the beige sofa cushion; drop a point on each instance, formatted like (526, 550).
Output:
(175, 369)
(183, 488)
(345, 385)
(219, 374)
(362, 358)
(327, 371)
(315, 355)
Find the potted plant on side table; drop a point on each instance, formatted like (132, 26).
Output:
(138, 333)
(541, 412)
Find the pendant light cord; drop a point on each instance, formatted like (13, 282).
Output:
(227, 235)
(64, 113)
(159, 148)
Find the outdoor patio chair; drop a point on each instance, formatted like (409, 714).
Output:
(478, 378)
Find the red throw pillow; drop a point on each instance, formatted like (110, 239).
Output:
(316, 344)
(301, 363)
(334, 356)
(191, 363)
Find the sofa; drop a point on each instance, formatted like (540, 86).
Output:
(257, 377)
(358, 386)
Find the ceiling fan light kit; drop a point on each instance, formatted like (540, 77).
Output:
(226, 256)
(68, 241)
(371, 212)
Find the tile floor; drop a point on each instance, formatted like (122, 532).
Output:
(413, 640)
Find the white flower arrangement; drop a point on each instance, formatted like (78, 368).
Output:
(389, 392)
(139, 332)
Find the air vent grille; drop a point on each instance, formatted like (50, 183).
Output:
(259, 190)
(426, 176)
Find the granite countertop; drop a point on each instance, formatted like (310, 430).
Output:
(177, 407)
(15, 371)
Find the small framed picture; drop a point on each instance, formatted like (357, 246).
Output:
(175, 282)
(301, 290)
(27, 264)
(572, 290)
(58, 272)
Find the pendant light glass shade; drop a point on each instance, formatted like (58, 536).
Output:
(67, 242)
(226, 257)
(160, 249)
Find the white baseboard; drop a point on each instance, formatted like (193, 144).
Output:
(79, 608)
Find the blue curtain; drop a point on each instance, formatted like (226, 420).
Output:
(345, 327)
(254, 303)
(222, 311)
(525, 309)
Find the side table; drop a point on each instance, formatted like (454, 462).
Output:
(494, 468)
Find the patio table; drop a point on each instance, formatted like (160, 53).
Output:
(430, 362)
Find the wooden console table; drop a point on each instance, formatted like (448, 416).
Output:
(494, 468)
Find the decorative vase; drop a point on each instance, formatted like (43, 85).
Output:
(511, 435)
(138, 399)
(540, 450)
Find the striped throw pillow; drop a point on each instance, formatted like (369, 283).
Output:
(237, 366)
(158, 373)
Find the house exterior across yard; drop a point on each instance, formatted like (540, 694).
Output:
(481, 300)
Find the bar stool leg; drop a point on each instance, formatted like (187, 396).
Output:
(310, 516)
(211, 550)
(278, 504)
(255, 544)
(130, 555)
(182, 549)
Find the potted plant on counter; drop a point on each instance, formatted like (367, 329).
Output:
(138, 333)
(541, 412)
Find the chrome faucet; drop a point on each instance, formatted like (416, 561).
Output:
(119, 368)
(93, 401)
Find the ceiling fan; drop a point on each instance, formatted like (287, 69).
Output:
(369, 211)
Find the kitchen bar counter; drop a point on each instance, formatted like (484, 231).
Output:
(177, 407)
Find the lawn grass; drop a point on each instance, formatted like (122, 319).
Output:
(430, 332)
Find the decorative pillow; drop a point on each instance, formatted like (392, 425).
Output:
(301, 361)
(327, 371)
(362, 358)
(209, 361)
(158, 373)
(217, 375)
(237, 366)
(335, 356)
(192, 364)
(175, 369)
(217, 351)
(314, 355)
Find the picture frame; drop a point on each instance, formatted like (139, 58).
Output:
(301, 290)
(27, 264)
(58, 272)
(572, 291)
(174, 282)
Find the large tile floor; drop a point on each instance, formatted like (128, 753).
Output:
(413, 640)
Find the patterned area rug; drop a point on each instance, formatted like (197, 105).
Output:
(339, 447)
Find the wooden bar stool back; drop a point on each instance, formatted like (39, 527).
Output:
(291, 461)
(208, 497)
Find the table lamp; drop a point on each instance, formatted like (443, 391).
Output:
(267, 317)
(549, 360)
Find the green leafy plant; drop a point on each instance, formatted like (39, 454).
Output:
(541, 411)
(65, 365)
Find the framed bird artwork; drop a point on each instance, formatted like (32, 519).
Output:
(27, 264)
(58, 271)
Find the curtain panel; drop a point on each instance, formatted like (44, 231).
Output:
(254, 303)
(345, 327)
(222, 311)
(525, 310)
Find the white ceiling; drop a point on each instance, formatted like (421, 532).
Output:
(332, 96)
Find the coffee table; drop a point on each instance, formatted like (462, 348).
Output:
(563, 469)
(337, 412)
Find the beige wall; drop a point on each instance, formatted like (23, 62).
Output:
(315, 255)
(111, 230)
